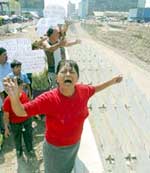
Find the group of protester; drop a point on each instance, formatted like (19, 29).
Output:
(64, 105)
(8, 119)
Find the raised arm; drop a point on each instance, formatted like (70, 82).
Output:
(52, 48)
(71, 43)
(6, 124)
(13, 92)
(43, 44)
(106, 84)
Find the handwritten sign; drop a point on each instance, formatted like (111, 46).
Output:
(45, 23)
(4, 0)
(15, 45)
(53, 11)
(33, 61)
(53, 15)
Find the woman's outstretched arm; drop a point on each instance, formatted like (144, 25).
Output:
(106, 84)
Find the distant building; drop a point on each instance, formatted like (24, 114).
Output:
(86, 8)
(71, 9)
(34, 5)
(83, 9)
(110, 15)
(80, 9)
(143, 4)
(132, 14)
(115, 5)
(141, 13)
(101, 5)
(4, 7)
(90, 6)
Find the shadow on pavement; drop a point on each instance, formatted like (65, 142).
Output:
(80, 167)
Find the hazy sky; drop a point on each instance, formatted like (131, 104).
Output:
(61, 2)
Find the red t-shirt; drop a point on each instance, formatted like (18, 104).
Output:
(64, 115)
(13, 118)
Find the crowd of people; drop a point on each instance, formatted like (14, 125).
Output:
(64, 105)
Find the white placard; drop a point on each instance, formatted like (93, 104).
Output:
(18, 44)
(33, 61)
(4, 0)
(45, 23)
(53, 11)
(53, 15)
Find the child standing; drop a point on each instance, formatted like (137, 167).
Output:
(1, 125)
(19, 126)
(16, 71)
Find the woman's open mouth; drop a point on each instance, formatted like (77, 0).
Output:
(68, 81)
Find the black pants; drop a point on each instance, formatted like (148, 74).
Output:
(1, 122)
(23, 129)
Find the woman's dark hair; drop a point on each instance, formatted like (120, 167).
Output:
(2, 50)
(50, 32)
(15, 63)
(71, 63)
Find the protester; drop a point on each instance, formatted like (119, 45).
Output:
(17, 71)
(4, 70)
(19, 126)
(66, 109)
(54, 49)
(1, 125)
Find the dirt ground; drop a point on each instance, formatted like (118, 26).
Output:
(114, 53)
(10, 164)
(129, 40)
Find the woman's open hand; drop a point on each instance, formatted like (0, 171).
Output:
(11, 87)
(117, 79)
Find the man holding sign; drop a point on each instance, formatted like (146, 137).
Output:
(53, 46)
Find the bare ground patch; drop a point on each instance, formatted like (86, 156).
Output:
(132, 40)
